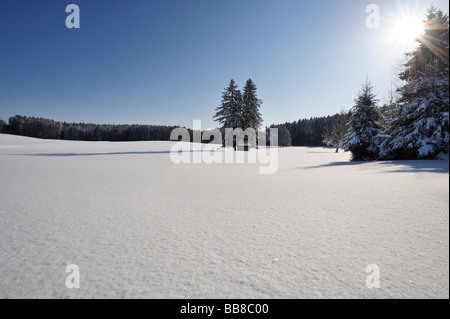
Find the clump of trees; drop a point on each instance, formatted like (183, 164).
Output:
(421, 127)
(239, 110)
(416, 126)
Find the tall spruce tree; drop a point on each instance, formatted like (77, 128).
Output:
(422, 127)
(364, 126)
(229, 114)
(250, 107)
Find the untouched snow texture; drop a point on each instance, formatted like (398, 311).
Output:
(139, 226)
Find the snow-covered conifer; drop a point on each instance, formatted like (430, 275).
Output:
(422, 127)
(250, 107)
(363, 126)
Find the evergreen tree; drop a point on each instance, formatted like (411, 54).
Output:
(284, 137)
(363, 126)
(250, 107)
(2, 126)
(422, 127)
(229, 113)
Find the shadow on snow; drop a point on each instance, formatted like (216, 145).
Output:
(413, 166)
(110, 153)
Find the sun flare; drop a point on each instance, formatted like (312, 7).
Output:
(407, 30)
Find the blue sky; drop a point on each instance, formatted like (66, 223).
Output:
(167, 62)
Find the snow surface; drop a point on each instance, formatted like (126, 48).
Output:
(139, 226)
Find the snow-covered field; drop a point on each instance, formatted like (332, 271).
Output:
(139, 226)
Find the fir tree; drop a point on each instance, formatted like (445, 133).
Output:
(363, 126)
(229, 113)
(250, 107)
(422, 127)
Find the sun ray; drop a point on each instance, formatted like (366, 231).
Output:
(428, 42)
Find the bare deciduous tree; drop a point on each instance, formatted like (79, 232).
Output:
(334, 134)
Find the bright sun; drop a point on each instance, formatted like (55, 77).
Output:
(407, 29)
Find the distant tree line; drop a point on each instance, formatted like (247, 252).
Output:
(2, 126)
(314, 131)
(50, 129)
